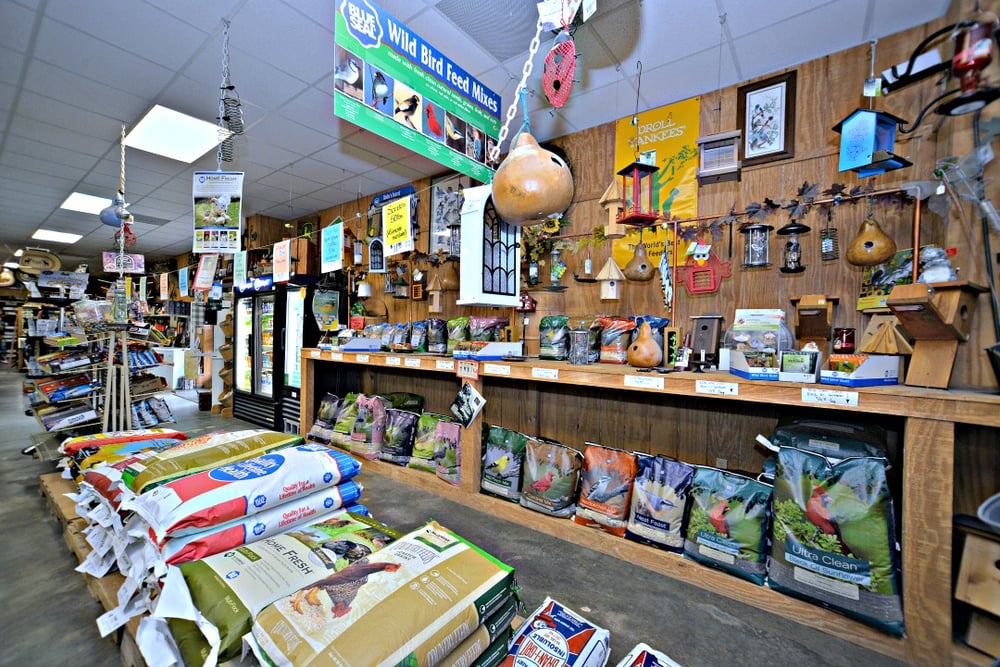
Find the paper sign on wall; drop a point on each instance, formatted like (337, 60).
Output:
(164, 287)
(240, 267)
(397, 232)
(205, 275)
(283, 261)
(331, 242)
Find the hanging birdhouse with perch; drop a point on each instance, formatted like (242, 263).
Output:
(867, 139)
(703, 271)
(611, 202)
(637, 195)
(611, 279)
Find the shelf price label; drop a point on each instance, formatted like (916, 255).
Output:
(362, 358)
(316, 354)
(445, 364)
(412, 362)
(829, 396)
(336, 356)
(545, 373)
(643, 382)
(496, 369)
(467, 368)
(393, 361)
(716, 388)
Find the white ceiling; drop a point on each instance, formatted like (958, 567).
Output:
(73, 72)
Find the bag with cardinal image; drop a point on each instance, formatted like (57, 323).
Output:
(728, 523)
(834, 539)
(503, 454)
(659, 496)
(551, 476)
(606, 488)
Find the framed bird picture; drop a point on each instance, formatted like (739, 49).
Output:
(446, 213)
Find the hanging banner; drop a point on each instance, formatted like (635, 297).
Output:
(396, 225)
(114, 262)
(182, 281)
(668, 138)
(205, 275)
(240, 267)
(218, 197)
(390, 81)
(164, 287)
(282, 268)
(331, 246)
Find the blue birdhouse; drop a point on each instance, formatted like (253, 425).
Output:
(867, 138)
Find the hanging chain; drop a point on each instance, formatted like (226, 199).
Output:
(223, 130)
(522, 86)
(124, 214)
(121, 170)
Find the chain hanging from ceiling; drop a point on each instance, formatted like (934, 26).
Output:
(230, 109)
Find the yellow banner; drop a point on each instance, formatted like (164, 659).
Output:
(396, 227)
(668, 138)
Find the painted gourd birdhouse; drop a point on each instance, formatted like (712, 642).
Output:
(703, 271)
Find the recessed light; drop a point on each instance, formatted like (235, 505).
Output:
(85, 203)
(18, 252)
(175, 135)
(55, 237)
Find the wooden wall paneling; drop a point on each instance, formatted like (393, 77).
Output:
(514, 406)
(977, 458)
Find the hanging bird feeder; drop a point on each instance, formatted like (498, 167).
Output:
(637, 195)
(560, 67)
(756, 245)
(791, 257)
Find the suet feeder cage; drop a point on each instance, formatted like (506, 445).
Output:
(756, 245)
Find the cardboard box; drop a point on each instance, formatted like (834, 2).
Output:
(748, 370)
(872, 370)
(800, 366)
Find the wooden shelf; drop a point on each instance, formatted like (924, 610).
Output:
(929, 417)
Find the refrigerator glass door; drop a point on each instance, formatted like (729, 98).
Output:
(295, 312)
(264, 381)
(243, 352)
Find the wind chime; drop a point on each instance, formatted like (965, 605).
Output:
(230, 107)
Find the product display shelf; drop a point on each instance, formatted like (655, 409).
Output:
(928, 456)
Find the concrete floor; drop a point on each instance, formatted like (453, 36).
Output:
(48, 616)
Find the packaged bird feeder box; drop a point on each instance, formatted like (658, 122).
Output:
(867, 139)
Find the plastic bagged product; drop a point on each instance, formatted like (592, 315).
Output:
(411, 602)
(422, 456)
(322, 428)
(207, 605)
(243, 488)
(551, 477)
(659, 498)
(343, 422)
(488, 328)
(458, 331)
(448, 451)
(203, 453)
(729, 523)
(418, 337)
(437, 336)
(553, 337)
(397, 445)
(615, 335)
(556, 636)
(369, 427)
(503, 454)
(70, 446)
(643, 655)
(606, 488)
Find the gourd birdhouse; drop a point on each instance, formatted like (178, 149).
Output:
(637, 195)
(611, 202)
(867, 138)
(611, 279)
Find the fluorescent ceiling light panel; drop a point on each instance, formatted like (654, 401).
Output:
(86, 203)
(174, 135)
(55, 237)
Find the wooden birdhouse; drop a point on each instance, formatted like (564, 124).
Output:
(637, 195)
(719, 159)
(867, 139)
(611, 202)
(611, 279)
(434, 291)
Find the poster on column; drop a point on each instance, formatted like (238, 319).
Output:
(282, 261)
(390, 81)
(666, 137)
(396, 226)
(331, 243)
(218, 198)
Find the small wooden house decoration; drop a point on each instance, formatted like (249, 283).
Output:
(637, 194)
(611, 278)
(867, 138)
(376, 256)
(719, 159)
(434, 290)
(611, 202)
(703, 271)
